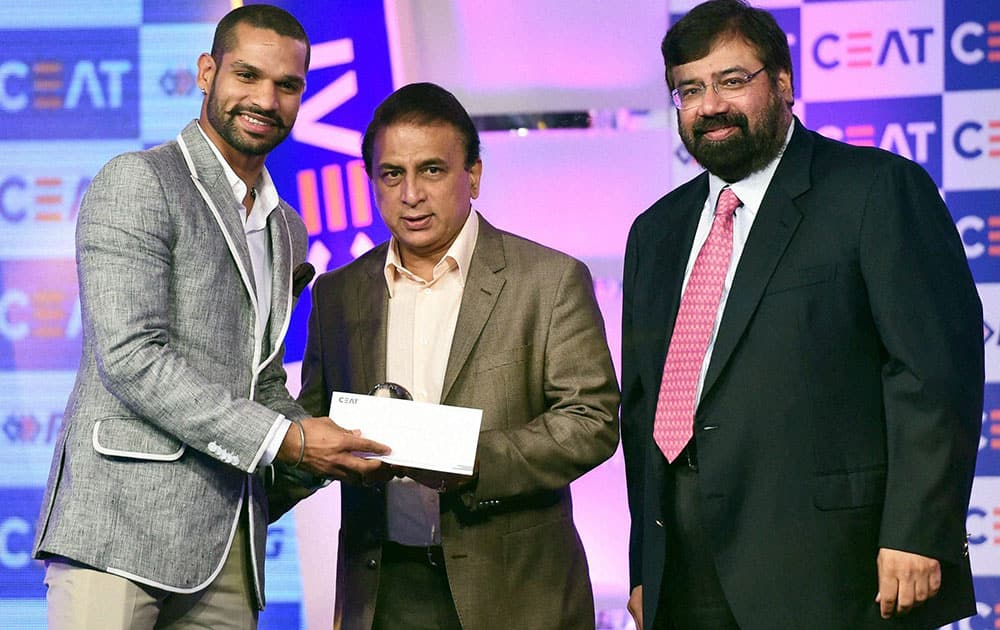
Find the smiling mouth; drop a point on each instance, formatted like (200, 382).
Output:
(255, 122)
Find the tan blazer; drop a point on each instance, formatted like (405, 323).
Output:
(529, 349)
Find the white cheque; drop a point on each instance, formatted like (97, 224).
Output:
(421, 435)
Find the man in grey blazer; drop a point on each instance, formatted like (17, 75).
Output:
(155, 512)
(461, 313)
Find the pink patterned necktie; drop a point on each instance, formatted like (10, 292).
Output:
(673, 423)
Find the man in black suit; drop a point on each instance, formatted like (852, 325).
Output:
(802, 376)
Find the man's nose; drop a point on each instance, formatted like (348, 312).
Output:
(410, 191)
(266, 96)
(712, 103)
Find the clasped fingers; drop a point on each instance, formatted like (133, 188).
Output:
(905, 580)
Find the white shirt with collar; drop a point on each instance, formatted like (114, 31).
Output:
(419, 333)
(261, 262)
(750, 192)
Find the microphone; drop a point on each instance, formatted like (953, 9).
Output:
(302, 276)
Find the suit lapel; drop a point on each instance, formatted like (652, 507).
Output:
(218, 195)
(772, 230)
(281, 276)
(668, 269)
(372, 299)
(482, 290)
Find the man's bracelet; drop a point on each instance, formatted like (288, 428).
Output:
(302, 443)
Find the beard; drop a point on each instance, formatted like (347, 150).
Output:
(745, 152)
(224, 123)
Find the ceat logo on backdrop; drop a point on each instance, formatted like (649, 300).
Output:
(988, 462)
(987, 615)
(864, 48)
(39, 315)
(69, 84)
(43, 198)
(850, 56)
(972, 139)
(977, 219)
(20, 576)
(972, 61)
(910, 127)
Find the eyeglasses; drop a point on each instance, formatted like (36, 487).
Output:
(728, 86)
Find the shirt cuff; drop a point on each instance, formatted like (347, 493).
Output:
(273, 441)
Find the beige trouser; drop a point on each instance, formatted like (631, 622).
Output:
(80, 598)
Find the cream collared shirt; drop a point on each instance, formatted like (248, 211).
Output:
(421, 325)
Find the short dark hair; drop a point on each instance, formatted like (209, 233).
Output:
(695, 34)
(422, 104)
(258, 16)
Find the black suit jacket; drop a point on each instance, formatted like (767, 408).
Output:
(842, 405)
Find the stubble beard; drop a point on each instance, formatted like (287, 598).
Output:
(224, 123)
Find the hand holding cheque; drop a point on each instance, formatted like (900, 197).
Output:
(433, 444)
(324, 449)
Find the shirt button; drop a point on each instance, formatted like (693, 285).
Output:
(427, 291)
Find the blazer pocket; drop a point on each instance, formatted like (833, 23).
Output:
(503, 358)
(130, 437)
(804, 277)
(849, 489)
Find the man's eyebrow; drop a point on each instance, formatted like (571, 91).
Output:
(431, 162)
(720, 73)
(242, 65)
(239, 65)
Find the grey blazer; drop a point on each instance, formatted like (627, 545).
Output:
(176, 391)
(529, 350)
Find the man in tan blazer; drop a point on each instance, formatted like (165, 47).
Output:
(461, 313)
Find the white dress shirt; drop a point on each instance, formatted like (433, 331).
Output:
(421, 325)
(750, 192)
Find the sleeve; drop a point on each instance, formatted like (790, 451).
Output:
(634, 441)
(272, 390)
(125, 258)
(579, 427)
(313, 395)
(929, 317)
(289, 486)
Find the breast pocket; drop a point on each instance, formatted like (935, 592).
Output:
(503, 385)
(800, 278)
(502, 359)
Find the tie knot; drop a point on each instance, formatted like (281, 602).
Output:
(728, 202)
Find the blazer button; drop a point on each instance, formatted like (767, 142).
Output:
(372, 564)
(659, 523)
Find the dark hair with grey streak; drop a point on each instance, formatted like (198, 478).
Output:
(422, 104)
